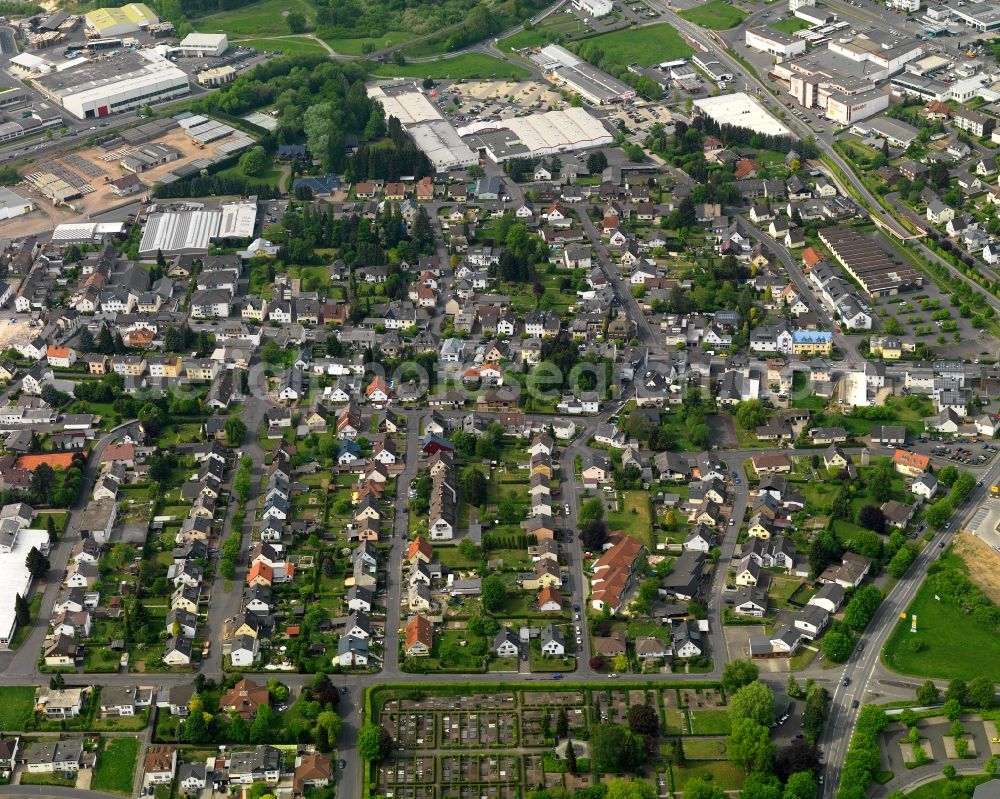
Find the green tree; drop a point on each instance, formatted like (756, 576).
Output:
(753, 701)
(597, 162)
(36, 563)
(296, 22)
(837, 646)
(369, 746)
(254, 161)
(761, 785)
(235, 431)
(699, 788)
(801, 785)
(927, 694)
(750, 745)
(570, 757)
(494, 593)
(630, 789)
(737, 673)
(981, 692)
(751, 414)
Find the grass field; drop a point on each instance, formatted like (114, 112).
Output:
(270, 176)
(941, 788)
(639, 524)
(266, 18)
(709, 722)
(293, 45)
(722, 774)
(705, 748)
(716, 14)
(644, 46)
(367, 45)
(116, 765)
(523, 39)
(17, 707)
(790, 25)
(952, 645)
(467, 65)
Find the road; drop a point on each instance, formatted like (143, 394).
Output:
(864, 668)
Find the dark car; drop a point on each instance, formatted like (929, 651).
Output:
(855, 704)
(342, 765)
(846, 681)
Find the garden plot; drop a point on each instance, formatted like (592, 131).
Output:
(559, 698)
(413, 730)
(478, 729)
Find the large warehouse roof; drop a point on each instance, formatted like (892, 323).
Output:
(238, 220)
(138, 15)
(406, 103)
(180, 231)
(14, 576)
(538, 134)
(742, 111)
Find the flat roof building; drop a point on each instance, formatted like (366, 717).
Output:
(200, 45)
(537, 135)
(741, 111)
(15, 579)
(238, 220)
(982, 17)
(113, 84)
(774, 42)
(179, 232)
(12, 204)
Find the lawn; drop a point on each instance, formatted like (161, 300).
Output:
(467, 65)
(293, 45)
(17, 708)
(524, 39)
(635, 517)
(266, 18)
(790, 25)
(365, 45)
(709, 722)
(644, 46)
(271, 175)
(704, 748)
(939, 789)
(723, 774)
(116, 765)
(951, 644)
(48, 779)
(716, 14)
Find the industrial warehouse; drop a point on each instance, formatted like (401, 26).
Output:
(500, 139)
(868, 263)
(190, 231)
(114, 84)
(742, 111)
(565, 69)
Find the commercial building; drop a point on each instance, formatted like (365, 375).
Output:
(238, 220)
(431, 132)
(847, 108)
(903, 5)
(714, 69)
(117, 21)
(565, 69)
(218, 76)
(114, 84)
(12, 204)
(742, 111)
(200, 45)
(795, 5)
(814, 15)
(15, 579)
(775, 43)
(983, 17)
(148, 157)
(593, 8)
(865, 261)
(180, 232)
(537, 135)
(896, 133)
(908, 84)
(28, 119)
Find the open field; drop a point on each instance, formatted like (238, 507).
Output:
(266, 18)
(635, 517)
(367, 45)
(116, 765)
(460, 67)
(291, 45)
(948, 644)
(717, 15)
(647, 45)
(17, 707)
(982, 562)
